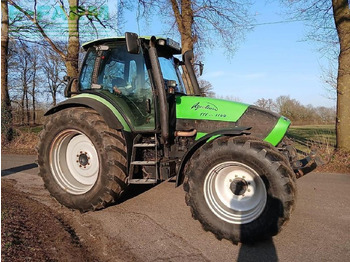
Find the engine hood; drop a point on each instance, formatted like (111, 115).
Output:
(207, 115)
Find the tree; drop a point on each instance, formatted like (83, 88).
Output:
(203, 24)
(268, 104)
(21, 76)
(53, 70)
(73, 12)
(35, 67)
(6, 112)
(206, 88)
(330, 23)
(341, 11)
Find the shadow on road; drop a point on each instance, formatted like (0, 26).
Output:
(264, 251)
(13, 170)
(133, 191)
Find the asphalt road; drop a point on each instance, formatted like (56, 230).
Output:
(156, 225)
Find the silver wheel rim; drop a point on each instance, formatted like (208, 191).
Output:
(235, 192)
(74, 162)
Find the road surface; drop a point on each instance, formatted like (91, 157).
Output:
(156, 224)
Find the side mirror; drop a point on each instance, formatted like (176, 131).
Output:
(71, 87)
(132, 43)
(201, 66)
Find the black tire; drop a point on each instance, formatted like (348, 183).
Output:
(81, 160)
(240, 189)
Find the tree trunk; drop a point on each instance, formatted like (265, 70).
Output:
(341, 13)
(33, 88)
(184, 21)
(73, 39)
(54, 93)
(6, 111)
(27, 108)
(22, 108)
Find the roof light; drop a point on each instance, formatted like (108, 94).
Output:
(173, 44)
(161, 42)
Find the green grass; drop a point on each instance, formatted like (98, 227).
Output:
(319, 133)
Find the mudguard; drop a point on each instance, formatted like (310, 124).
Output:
(236, 131)
(110, 114)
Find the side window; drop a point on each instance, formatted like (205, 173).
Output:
(132, 71)
(112, 74)
(170, 72)
(124, 76)
(87, 69)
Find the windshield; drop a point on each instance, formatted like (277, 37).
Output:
(171, 72)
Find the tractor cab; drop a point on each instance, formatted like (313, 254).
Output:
(126, 79)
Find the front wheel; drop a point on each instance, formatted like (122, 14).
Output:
(82, 161)
(240, 189)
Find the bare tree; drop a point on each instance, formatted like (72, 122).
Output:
(341, 11)
(6, 112)
(36, 68)
(203, 24)
(206, 88)
(330, 22)
(54, 71)
(268, 104)
(73, 12)
(21, 76)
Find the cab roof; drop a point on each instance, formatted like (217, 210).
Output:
(95, 42)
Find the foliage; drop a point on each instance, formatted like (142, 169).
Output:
(298, 113)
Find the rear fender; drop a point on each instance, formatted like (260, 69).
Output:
(237, 131)
(112, 117)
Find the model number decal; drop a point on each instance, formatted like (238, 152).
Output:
(212, 115)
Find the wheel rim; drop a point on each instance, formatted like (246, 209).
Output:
(74, 162)
(235, 192)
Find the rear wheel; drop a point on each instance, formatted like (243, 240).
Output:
(240, 189)
(82, 161)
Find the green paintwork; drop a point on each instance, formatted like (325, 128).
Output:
(200, 135)
(205, 108)
(278, 132)
(110, 106)
(132, 110)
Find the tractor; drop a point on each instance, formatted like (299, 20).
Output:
(135, 115)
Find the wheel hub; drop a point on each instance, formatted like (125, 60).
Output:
(83, 159)
(75, 162)
(239, 186)
(235, 192)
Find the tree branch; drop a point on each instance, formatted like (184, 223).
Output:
(36, 23)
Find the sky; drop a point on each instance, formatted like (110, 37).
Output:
(273, 60)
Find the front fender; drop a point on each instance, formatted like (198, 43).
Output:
(236, 131)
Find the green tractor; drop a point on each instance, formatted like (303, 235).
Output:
(135, 116)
